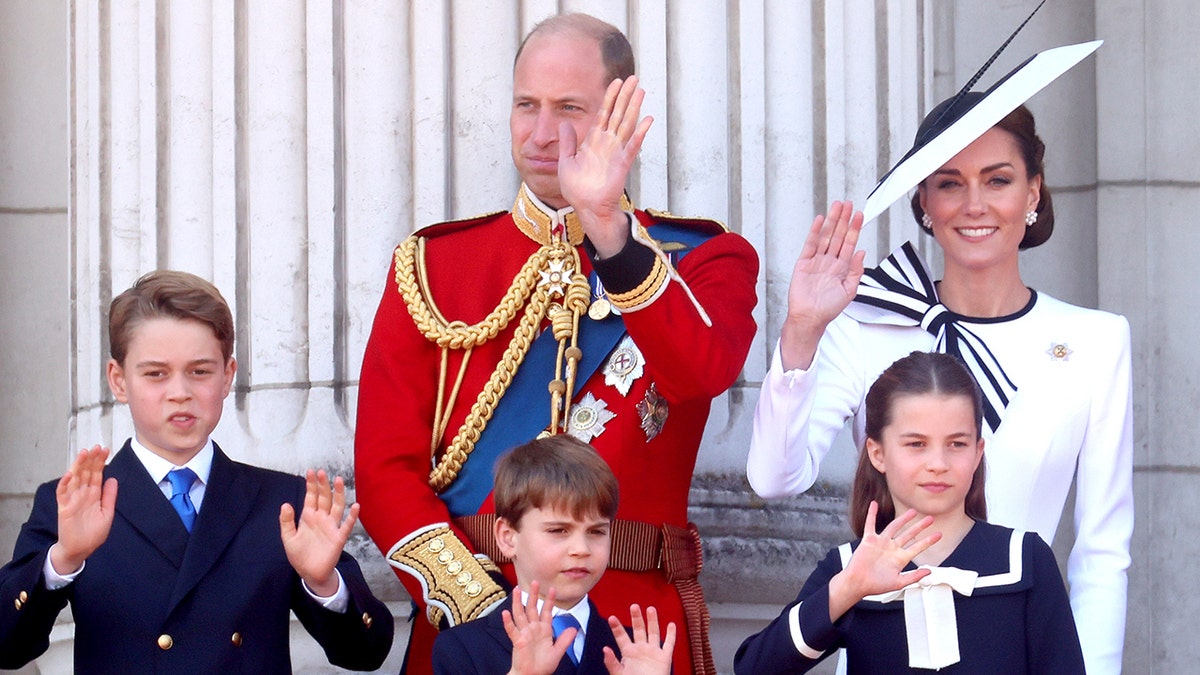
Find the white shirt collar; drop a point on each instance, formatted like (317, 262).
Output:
(582, 611)
(158, 467)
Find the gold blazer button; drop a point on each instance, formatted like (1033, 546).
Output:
(165, 642)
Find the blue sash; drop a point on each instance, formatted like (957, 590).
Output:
(524, 410)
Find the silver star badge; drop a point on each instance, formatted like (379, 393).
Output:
(588, 418)
(624, 366)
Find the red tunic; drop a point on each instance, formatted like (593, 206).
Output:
(470, 266)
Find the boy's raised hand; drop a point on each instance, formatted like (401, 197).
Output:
(313, 547)
(535, 651)
(644, 654)
(86, 504)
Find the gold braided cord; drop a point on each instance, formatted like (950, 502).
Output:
(441, 414)
(455, 334)
(578, 297)
(534, 287)
(460, 447)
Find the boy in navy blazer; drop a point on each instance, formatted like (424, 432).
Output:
(175, 558)
(555, 503)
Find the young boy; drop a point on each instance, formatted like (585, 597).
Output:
(555, 502)
(174, 558)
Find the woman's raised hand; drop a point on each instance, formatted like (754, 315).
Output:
(823, 283)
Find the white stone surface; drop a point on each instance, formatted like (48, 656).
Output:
(282, 149)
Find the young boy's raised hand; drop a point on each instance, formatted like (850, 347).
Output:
(535, 651)
(644, 654)
(86, 504)
(314, 546)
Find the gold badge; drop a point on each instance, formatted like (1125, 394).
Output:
(653, 412)
(1059, 351)
(624, 366)
(588, 418)
(599, 309)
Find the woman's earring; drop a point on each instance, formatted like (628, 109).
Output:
(927, 222)
(1030, 218)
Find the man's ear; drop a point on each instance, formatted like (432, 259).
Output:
(875, 454)
(506, 536)
(116, 381)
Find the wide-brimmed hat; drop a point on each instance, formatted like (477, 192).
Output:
(956, 122)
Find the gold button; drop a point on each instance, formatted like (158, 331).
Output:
(445, 557)
(436, 544)
(463, 579)
(367, 620)
(474, 589)
(165, 642)
(236, 639)
(23, 596)
(18, 604)
(454, 567)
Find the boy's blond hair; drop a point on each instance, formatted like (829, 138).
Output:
(171, 294)
(559, 471)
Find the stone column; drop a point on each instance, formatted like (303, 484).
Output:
(1148, 198)
(282, 149)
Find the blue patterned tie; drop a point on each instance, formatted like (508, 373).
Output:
(562, 622)
(181, 484)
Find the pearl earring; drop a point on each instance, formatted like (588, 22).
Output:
(927, 222)
(1030, 218)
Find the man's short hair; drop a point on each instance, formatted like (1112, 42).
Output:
(170, 294)
(615, 51)
(554, 472)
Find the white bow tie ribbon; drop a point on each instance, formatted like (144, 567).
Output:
(930, 622)
(900, 292)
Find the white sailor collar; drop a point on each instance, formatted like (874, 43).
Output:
(996, 553)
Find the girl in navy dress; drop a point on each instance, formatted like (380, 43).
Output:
(938, 588)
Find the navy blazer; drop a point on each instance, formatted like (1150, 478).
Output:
(482, 647)
(153, 598)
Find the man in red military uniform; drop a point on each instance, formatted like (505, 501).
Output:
(486, 324)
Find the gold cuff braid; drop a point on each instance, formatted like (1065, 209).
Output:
(645, 291)
(456, 583)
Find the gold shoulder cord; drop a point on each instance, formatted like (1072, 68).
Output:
(551, 272)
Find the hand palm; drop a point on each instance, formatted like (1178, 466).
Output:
(826, 275)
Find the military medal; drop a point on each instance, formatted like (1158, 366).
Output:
(653, 412)
(625, 365)
(556, 277)
(588, 418)
(600, 308)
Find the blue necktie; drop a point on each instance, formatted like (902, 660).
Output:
(181, 484)
(562, 622)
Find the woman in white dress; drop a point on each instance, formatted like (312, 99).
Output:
(1056, 377)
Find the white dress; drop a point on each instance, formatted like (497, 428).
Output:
(1070, 418)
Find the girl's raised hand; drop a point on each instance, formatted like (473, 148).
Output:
(878, 563)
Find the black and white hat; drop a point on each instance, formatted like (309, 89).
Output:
(956, 122)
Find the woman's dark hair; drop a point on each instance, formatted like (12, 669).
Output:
(915, 374)
(1020, 124)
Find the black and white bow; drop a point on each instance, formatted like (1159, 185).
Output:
(901, 286)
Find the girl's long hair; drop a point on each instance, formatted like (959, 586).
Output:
(915, 374)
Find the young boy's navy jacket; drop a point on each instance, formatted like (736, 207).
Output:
(153, 598)
(482, 647)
